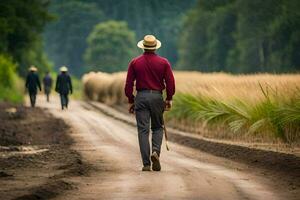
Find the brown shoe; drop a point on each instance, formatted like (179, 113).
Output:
(146, 168)
(155, 162)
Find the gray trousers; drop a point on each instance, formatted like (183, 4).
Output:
(47, 90)
(64, 100)
(32, 97)
(149, 109)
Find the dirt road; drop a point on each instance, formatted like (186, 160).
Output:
(111, 147)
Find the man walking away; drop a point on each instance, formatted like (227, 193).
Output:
(47, 81)
(152, 75)
(32, 83)
(64, 86)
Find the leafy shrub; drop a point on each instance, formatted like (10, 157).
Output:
(7, 71)
(11, 85)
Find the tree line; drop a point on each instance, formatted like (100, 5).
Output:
(241, 36)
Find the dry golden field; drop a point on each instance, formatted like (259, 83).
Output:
(108, 88)
(227, 86)
(221, 105)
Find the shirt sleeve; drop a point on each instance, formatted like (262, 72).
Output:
(57, 84)
(51, 82)
(27, 81)
(170, 82)
(130, 83)
(38, 82)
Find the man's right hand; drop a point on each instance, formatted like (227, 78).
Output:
(131, 108)
(168, 105)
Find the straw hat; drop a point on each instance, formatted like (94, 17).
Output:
(63, 69)
(32, 68)
(149, 42)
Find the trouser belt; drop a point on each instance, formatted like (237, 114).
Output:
(150, 91)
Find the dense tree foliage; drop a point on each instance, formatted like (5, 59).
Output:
(21, 23)
(65, 38)
(161, 18)
(241, 36)
(110, 49)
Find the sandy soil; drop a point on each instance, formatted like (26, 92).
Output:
(109, 146)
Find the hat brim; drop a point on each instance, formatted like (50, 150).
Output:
(63, 69)
(33, 69)
(141, 45)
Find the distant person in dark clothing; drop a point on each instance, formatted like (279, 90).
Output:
(47, 81)
(32, 83)
(64, 86)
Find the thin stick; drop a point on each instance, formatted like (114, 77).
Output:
(166, 134)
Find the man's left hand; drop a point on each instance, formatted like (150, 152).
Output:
(168, 105)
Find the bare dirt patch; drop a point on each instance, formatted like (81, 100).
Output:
(36, 157)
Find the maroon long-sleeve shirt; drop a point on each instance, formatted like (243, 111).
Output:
(151, 72)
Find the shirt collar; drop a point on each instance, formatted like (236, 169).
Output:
(149, 53)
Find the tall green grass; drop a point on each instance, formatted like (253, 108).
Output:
(275, 114)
